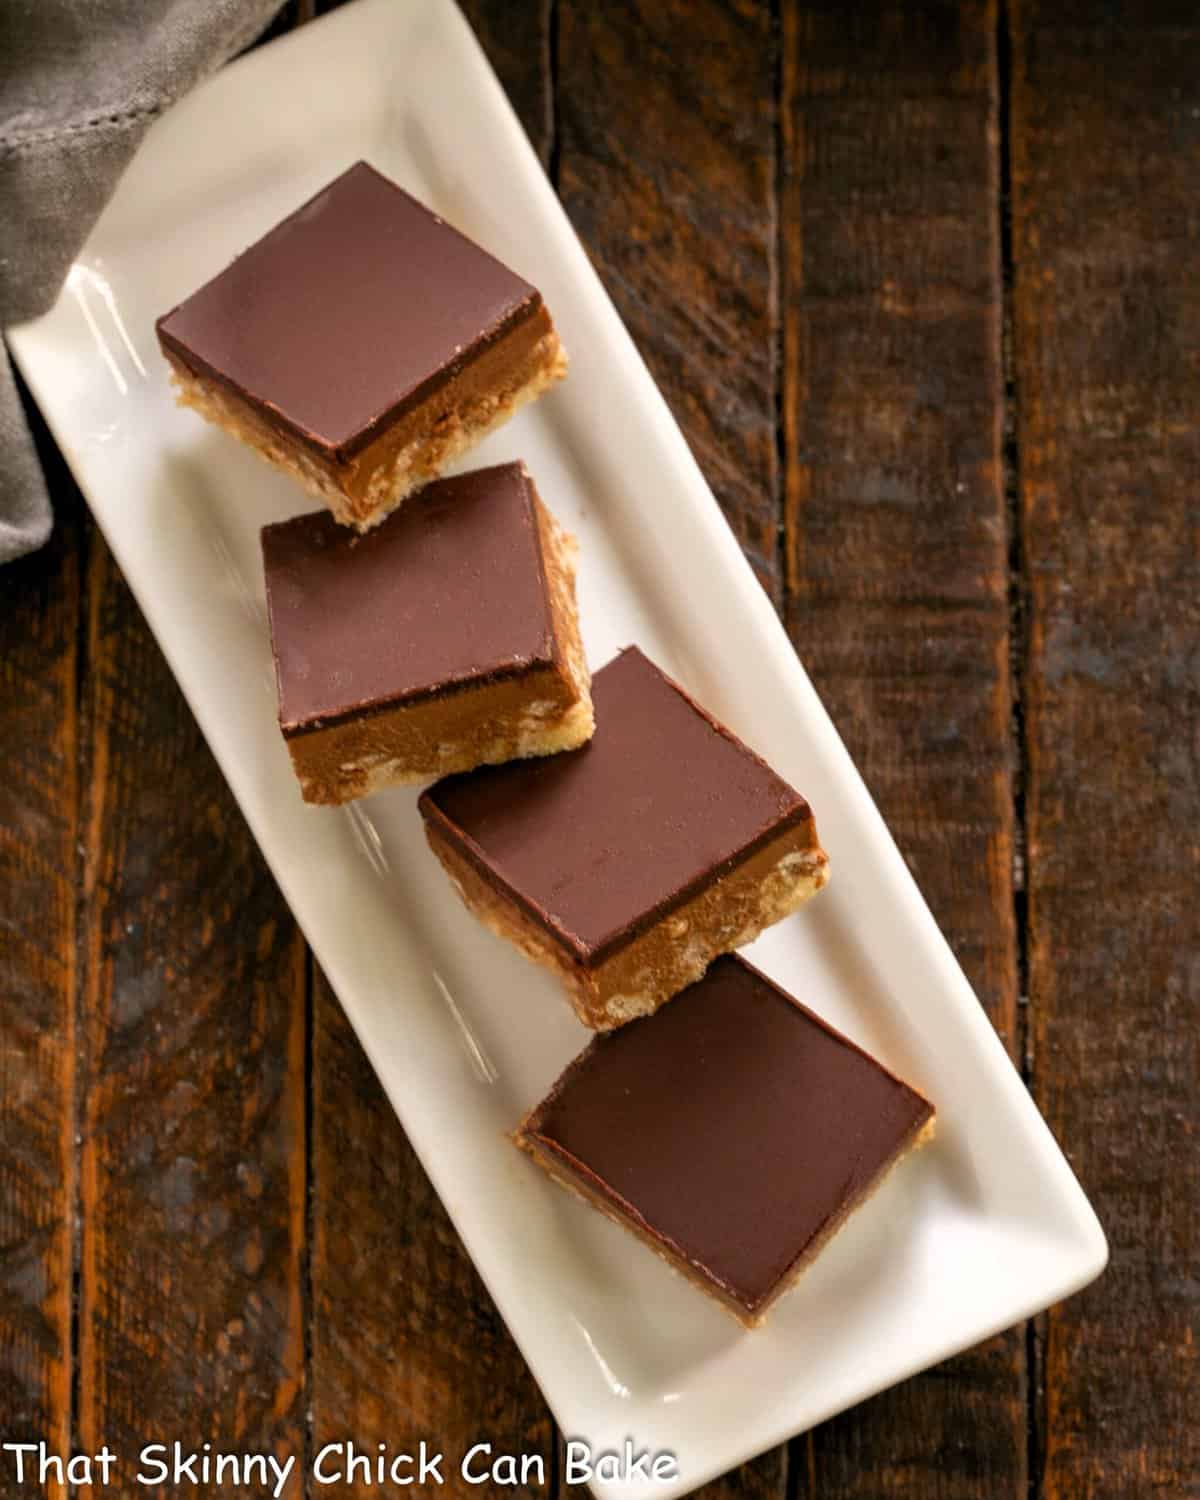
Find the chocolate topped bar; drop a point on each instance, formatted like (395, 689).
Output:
(451, 590)
(601, 844)
(444, 637)
(347, 319)
(308, 325)
(664, 826)
(733, 1131)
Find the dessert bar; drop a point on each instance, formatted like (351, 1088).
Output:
(362, 345)
(627, 866)
(443, 639)
(733, 1132)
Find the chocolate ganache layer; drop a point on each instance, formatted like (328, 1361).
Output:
(449, 590)
(733, 1129)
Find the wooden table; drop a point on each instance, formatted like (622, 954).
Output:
(921, 284)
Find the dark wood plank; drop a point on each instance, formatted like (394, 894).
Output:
(1106, 178)
(666, 165)
(897, 561)
(192, 1063)
(517, 40)
(39, 810)
(405, 1340)
(666, 152)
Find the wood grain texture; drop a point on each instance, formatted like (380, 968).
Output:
(897, 561)
(39, 809)
(187, 1053)
(192, 1070)
(1106, 181)
(405, 1341)
(517, 41)
(666, 152)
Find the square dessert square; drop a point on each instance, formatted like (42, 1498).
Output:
(362, 345)
(443, 639)
(626, 867)
(733, 1132)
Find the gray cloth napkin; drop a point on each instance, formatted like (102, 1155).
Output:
(81, 81)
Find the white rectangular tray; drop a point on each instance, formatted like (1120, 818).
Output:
(971, 1235)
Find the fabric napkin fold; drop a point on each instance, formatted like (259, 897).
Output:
(81, 81)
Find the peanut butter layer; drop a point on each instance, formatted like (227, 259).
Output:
(442, 640)
(734, 1132)
(636, 861)
(361, 345)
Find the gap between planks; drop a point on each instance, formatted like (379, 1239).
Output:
(1018, 646)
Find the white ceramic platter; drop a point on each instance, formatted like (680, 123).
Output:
(969, 1236)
